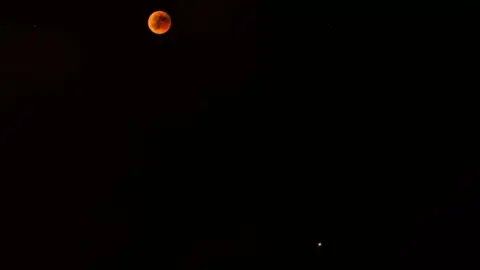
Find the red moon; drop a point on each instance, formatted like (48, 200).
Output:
(159, 22)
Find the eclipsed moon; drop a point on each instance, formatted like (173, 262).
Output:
(159, 22)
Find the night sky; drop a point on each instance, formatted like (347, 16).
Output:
(242, 138)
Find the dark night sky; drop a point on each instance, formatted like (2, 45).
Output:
(240, 138)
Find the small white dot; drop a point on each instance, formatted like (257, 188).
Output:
(319, 244)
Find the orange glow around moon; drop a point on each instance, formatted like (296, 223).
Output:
(159, 22)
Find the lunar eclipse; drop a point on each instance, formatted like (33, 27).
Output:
(159, 22)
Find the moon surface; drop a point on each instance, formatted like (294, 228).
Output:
(159, 22)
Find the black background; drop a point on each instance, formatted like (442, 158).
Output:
(241, 138)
